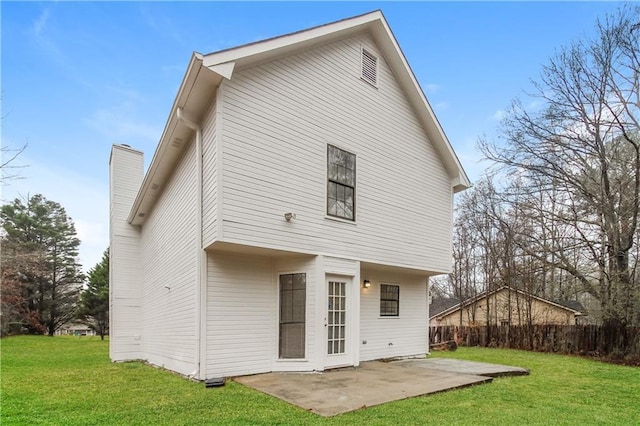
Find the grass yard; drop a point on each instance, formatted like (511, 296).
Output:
(70, 381)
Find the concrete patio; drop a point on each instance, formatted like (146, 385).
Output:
(372, 383)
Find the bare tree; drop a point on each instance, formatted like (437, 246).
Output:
(8, 166)
(583, 147)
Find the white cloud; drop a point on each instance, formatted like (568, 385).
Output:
(162, 24)
(120, 125)
(499, 114)
(85, 200)
(431, 88)
(41, 22)
(534, 105)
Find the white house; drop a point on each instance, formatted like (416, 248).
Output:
(298, 201)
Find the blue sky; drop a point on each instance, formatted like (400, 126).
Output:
(78, 77)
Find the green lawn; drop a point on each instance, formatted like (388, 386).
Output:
(70, 381)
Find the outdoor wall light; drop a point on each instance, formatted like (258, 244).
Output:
(366, 284)
(289, 216)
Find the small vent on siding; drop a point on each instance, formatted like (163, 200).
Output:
(369, 67)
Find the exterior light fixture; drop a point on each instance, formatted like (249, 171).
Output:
(289, 216)
(366, 284)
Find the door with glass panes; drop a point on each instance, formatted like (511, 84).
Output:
(337, 325)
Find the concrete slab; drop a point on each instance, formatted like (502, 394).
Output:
(466, 367)
(373, 383)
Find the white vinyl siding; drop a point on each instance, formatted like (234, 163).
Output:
(209, 177)
(169, 262)
(278, 119)
(241, 315)
(126, 173)
(306, 265)
(393, 336)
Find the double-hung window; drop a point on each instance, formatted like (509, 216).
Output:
(341, 184)
(389, 300)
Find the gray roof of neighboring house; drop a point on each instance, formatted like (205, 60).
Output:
(572, 304)
(441, 304)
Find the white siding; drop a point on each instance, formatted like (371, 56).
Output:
(209, 177)
(169, 249)
(337, 266)
(241, 313)
(307, 265)
(125, 176)
(278, 119)
(404, 335)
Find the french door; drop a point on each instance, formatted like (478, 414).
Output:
(337, 322)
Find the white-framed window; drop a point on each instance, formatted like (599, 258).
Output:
(341, 183)
(293, 300)
(389, 300)
(369, 67)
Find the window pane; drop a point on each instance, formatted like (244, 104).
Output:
(292, 315)
(333, 171)
(286, 282)
(298, 306)
(351, 162)
(341, 173)
(332, 207)
(333, 190)
(348, 202)
(299, 281)
(389, 300)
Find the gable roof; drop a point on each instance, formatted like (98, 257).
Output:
(441, 304)
(484, 294)
(572, 304)
(205, 73)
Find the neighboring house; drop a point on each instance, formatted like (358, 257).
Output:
(298, 201)
(504, 306)
(75, 329)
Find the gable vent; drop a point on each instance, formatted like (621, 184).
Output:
(369, 67)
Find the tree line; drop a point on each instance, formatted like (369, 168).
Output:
(43, 286)
(557, 215)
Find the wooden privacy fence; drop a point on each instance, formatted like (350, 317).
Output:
(571, 339)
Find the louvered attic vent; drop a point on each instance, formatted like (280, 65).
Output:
(369, 67)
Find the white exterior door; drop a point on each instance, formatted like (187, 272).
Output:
(338, 346)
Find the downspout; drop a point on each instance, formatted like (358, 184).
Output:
(200, 263)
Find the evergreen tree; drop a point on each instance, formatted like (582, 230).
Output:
(42, 261)
(94, 302)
